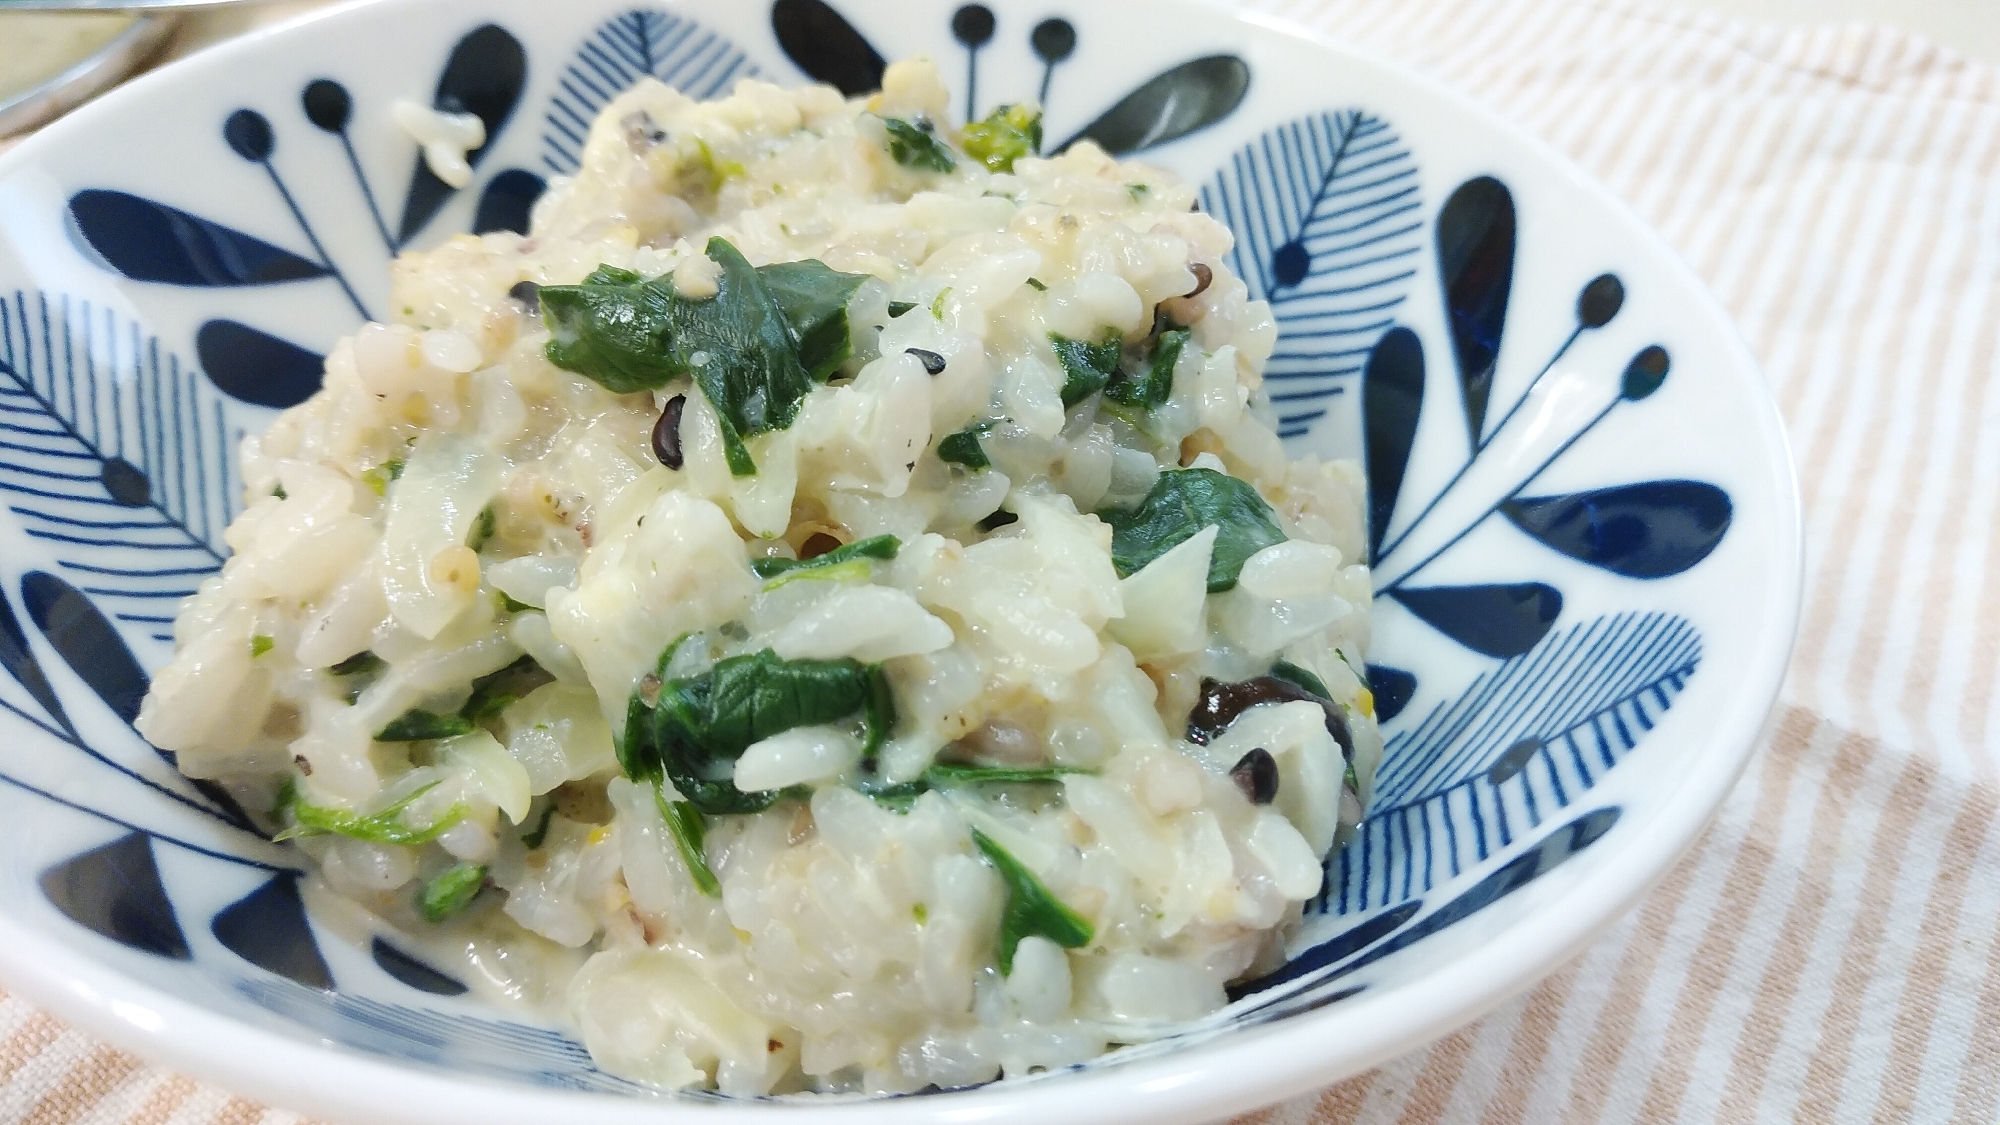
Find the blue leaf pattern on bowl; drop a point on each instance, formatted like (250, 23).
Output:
(641, 43)
(1523, 741)
(1328, 220)
(125, 471)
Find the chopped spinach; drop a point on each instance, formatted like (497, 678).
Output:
(278, 490)
(685, 824)
(261, 644)
(1181, 503)
(754, 348)
(701, 724)
(947, 774)
(898, 308)
(539, 835)
(1086, 367)
(383, 827)
(482, 529)
(915, 145)
(719, 171)
(1031, 910)
(1006, 135)
(1152, 390)
(1286, 670)
(942, 775)
(897, 798)
(1037, 285)
(451, 891)
(878, 714)
(962, 448)
(363, 663)
(493, 692)
(877, 547)
(419, 725)
(377, 479)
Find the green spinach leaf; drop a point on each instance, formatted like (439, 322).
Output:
(452, 891)
(947, 774)
(962, 448)
(900, 797)
(814, 299)
(878, 547)
(739, 346)
(685, 824)
(1181, 503)
(1031, 910)
(363, 663)
(383, 827)
(748, 365)
(1086, 367)
(419, 725)
(915, 146)
(1152, 390)
(878, 713)
(1006, 135)
(701, 724)
(539, 835)
(1292, 673)
(483, 528)
(493, 692)
(614, 328)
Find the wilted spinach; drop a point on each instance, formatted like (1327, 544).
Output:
(685, 824)
(1031, 910)
(383, 827)
(962, 448)
(1087, 367)
(1006, 135)
(1151, 390)
(451, 891)
(861, 550)
(915, 145)
(754, 348)
(1181, 503)
(701, 724)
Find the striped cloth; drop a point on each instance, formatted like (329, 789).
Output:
(1828, 952)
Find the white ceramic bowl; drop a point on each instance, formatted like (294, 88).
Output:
(1588, 575)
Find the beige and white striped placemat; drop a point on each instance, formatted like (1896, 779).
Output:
(1828, 953)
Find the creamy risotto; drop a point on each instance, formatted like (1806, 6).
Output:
(826, 611)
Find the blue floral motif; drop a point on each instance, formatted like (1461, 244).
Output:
(146, 241)
(642, 43)
(1182, 99)
(1328, 221)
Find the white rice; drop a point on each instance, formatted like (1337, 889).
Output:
(852, 945)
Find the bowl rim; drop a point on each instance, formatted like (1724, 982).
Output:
(1235, 1073)
(89, 75)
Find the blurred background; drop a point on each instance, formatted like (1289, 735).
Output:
(50, 62)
